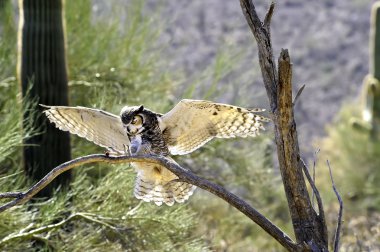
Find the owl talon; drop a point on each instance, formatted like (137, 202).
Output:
(126, 150)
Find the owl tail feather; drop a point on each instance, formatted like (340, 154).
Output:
(159, 193)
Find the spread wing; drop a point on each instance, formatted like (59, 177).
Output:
(192, 123)
(102, 128)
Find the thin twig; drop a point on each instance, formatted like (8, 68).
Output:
(10, 195)
(134, 210)
(48, 246)
(321, 213)
(261, 32)
(299, 92)
(11, 175)
(314, 165)
(340, 214)
(32, 233)
(268, 16)
(183, 174)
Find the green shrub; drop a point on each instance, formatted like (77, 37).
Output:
(111, 66)
(108, 69)
(355, 162)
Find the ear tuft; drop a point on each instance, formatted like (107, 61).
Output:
(141, 109)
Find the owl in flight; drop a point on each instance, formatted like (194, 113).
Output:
(185, 128)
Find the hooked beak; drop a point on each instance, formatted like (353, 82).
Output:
(132, 130)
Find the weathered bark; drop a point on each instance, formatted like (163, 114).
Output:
(309, 227)
(42, 73)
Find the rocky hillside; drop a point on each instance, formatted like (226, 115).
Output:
(327, 40)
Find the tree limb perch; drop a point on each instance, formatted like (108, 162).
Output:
(183, 175)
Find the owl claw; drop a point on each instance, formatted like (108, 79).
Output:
(126, 150)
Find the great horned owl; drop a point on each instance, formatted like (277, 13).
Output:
(185, 128)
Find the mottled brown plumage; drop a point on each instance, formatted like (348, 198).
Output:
(185, 128)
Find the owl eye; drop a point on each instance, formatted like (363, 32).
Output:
(137, 120)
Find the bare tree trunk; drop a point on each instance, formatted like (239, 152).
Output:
(309, 226)
(42, 72)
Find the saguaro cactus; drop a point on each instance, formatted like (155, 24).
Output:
(371, 85)
(371, 111)
(42, 63)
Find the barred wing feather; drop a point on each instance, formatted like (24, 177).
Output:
(98, 126)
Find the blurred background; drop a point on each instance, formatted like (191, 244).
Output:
(156, 53)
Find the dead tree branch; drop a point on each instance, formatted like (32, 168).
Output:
(308, 227)
(321, 213)
(314, 167)
(340, 214)
(183, 175)
(298, 95)
(261, 31)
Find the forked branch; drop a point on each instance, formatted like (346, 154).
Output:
(183, 175)
(309, 227)
(340, 214)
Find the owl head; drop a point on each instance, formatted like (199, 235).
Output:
(137, 119)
